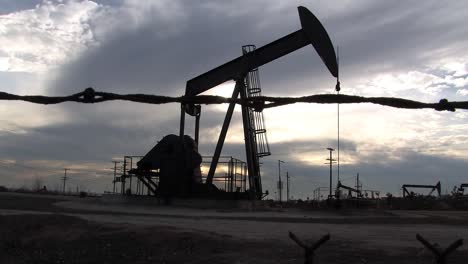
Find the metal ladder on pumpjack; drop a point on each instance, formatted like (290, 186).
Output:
(260, 145)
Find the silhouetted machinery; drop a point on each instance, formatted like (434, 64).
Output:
(177, 165)
(373, 194)
(460, 191)
(433, 188)
(350, 190)
(175, 158)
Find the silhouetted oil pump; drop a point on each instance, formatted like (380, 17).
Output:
(312, 32)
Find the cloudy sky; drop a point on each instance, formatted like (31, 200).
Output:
(410, 49)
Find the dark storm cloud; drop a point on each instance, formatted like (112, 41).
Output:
(399, 35)
(80, 141)
(379, 37)
(374, 36)
(109, 2)
(146, 60)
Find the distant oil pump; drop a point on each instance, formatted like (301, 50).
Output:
(407, 193)
(459, 191)
(349, 189)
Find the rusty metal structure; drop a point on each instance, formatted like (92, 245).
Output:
(433, 188)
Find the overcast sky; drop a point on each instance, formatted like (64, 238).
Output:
(409, 49)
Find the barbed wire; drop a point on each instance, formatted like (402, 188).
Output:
(90, 96)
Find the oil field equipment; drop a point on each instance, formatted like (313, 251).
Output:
(176, 159)
(460, 191)
(433, 188)
(373, 194)
(349, 189)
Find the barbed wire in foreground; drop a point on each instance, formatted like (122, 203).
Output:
(89, 96)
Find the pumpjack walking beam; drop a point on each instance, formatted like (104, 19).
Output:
(312, 32)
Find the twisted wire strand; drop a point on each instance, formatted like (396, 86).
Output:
(89, 96)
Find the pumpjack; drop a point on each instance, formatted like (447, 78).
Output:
(177, 159)
(433, 188)
(350, 190)
(460, 191)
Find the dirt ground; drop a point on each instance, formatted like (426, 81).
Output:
(34, 230)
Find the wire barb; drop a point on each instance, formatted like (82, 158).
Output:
(309, 250)
(440, 255)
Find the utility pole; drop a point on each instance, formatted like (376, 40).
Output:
(280, 183)
(124, 175)
(357, 182)
(64, 180)
(287, 186)
(331, 161)
(115, 173)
